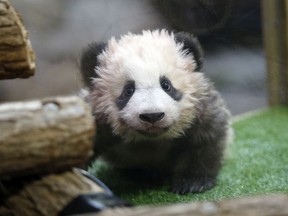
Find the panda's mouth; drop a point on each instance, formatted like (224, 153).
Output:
(153, 131)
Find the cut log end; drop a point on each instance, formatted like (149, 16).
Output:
(44, 136)
(17, 59)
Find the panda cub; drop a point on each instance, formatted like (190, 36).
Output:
(154, 109)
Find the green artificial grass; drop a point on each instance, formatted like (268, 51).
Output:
(256, 163)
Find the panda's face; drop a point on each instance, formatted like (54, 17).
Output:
(149, 108)
(146, 87)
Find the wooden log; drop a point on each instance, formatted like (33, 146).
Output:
(248, 206)
(17, 59)
(48, 196)
(285, 75)
(44, 135)
(275, 28)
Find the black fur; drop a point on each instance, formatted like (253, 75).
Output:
(89, 61)
(193, 160)
(126, 94)
(200, 150)
(191, 45)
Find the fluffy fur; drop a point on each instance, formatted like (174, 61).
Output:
(154, 109)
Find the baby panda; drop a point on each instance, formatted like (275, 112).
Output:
(155, 109)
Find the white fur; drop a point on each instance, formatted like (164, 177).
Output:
(144, 58)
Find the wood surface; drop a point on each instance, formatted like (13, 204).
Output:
(49, 195)
(45, 135)
(17, 59)
(275, 29)
(249, 206)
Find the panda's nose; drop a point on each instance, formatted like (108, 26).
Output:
(151, 117)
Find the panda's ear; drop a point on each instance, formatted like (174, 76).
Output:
(191, 45)
(89, 61)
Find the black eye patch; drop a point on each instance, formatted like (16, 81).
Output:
(127, 92)
(167, 86)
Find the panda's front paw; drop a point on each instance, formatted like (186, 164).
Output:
(184, 186)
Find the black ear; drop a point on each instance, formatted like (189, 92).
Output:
(192, 45)
(89, 61)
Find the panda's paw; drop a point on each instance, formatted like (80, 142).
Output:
(185, 186)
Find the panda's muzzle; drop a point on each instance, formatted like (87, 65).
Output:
(151, 117)
(153, 131)
(152, 126)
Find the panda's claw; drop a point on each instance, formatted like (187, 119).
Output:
(192, 186)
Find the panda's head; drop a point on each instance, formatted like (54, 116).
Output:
(146, 86)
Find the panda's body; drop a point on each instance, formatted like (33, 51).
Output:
(155, 110)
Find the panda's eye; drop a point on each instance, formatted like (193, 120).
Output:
(166, 85)
(126, 94)
(129, 90)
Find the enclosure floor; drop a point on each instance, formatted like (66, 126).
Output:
(255, 163)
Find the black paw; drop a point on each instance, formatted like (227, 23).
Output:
(185, 186)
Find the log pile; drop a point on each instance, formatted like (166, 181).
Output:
(41, 140)
(37, 138)
(17, 59)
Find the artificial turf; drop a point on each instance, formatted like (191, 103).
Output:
(256, 163)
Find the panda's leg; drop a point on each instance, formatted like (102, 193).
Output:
(197, 168)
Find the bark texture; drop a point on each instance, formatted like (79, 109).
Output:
(48, 196)
(251, 206)
(17, 59)
(45, 135)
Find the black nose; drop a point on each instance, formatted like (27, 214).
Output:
(152, 117)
